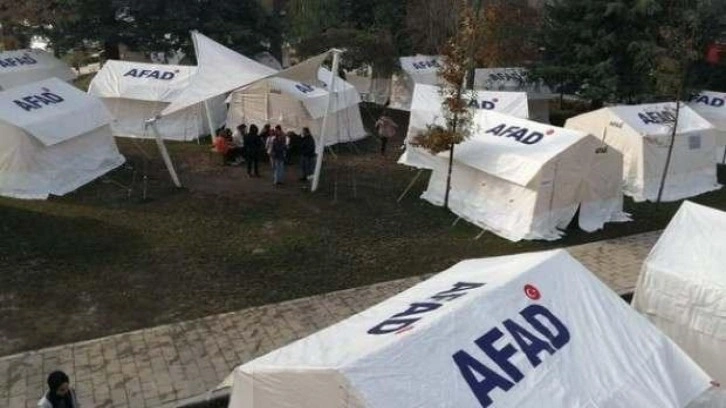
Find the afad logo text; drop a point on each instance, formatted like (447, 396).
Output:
(521, 134)
(151, 73)
(712, 101)
(535, 332)
(38, 100)
(25, 59)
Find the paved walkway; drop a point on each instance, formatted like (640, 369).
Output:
(163, 365)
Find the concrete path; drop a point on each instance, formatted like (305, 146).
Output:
(160, 366)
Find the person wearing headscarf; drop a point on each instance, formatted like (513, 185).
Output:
(60, 394)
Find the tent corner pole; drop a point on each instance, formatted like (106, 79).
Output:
(210, 123)
(320, 147)
(164, 152)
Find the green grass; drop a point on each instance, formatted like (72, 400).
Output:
(100, 261)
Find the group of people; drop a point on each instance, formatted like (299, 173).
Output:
(250, 145)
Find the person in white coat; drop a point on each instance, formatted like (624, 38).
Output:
(60, 394)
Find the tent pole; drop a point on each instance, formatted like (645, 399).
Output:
(669, 156)
(164, 152)
(206, 103)
(320, 147)
(410, 185)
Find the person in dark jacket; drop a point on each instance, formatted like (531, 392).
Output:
(60, 394)
(253, 149)
(307, 154)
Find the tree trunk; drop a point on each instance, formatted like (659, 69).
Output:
(110, 49)
(670, 154)
(448, 176)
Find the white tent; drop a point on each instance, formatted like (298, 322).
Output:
(135, 92)
(517, 80)
(22, 67)
(642, 133)
(294, 105)
(426, 110)
(55, 138)
(530, 330)
(418, 69)
(682, 286)
(526, 180)
(712, 107)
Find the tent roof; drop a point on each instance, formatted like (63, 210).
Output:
(220, 70)
(52, 110)
(423, 69)
(141, 81)
(424, 347)
(692, 245)
(506, 157)
(20, 67)
(509, 79)
(652, 119)
(711, 106)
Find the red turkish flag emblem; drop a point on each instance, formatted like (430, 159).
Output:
(532, 292)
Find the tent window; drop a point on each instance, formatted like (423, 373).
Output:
(694, 142)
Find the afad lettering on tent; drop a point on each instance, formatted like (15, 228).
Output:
(304, 88)
(151, 73)
(426, 64)
(25, 59)
(663, 117)
(535, 332)
(404, 321)
(521, 134)
(713, 101)
(484, 104)
(38, 101)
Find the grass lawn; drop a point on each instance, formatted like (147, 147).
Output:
(101, 261)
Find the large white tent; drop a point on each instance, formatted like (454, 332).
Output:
(135, 92)
(418, 69)
(294, 105)
(22, 67)
(530, 330)
(712, 107)
(517, 80)
(526, 180)
(682, 286)
(426, 109)
(642, 133)
(55, 138)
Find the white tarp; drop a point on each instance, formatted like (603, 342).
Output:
(525, 180)
(426, 110)
(517, 80)
(55, 138)
(21, 67)
(220, 70)
(642, 133)
(294, 105)
(530, 330)
(135, 92)
(418, 69)
(682, 286)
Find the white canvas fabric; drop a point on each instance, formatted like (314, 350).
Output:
(642, 134)
(55, 139)
(135, 92)
(220, 70)
(517, 80)
(712, 107)
(530, 330)
(525, 180)
(426, 110)
(418, 69)
(682, 285)
(21, 67)
(294, 105)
